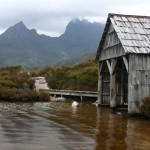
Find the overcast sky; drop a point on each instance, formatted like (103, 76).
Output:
(51, 16)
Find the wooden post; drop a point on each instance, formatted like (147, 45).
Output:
(113, 100)
(122, 88)
(100, 83)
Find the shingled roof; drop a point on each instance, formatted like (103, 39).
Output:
(132, 31)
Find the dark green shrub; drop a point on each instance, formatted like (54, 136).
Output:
(145, 106)
(79, 77)
(43, 96)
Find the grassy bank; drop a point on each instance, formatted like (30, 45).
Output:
(18, 86)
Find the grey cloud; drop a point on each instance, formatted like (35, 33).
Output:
(52, 16)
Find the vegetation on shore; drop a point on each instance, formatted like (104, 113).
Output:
(17, 86)
(82, 76)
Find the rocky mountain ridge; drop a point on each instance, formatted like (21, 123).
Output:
(22, 46)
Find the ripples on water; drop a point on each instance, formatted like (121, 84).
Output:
(58, 126)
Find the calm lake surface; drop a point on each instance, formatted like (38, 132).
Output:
(58, 126)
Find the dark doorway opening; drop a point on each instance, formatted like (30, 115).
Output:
(121, 82)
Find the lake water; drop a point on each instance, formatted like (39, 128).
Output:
(58, 126)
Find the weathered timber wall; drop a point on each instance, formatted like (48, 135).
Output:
(112, 47)
(138, 81)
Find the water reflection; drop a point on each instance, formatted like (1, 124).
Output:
(138, 134)
(58, 126)
(118, 132)
(111, 133)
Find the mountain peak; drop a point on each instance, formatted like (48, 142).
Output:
(20, 45)
(19, 30)
(21, 24)
(81, 28)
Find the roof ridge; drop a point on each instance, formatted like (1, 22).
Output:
(123, 15)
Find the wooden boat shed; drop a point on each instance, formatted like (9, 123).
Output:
(123, 55)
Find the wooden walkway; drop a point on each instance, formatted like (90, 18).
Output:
(81, 94)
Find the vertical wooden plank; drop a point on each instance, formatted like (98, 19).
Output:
(100, 90)
(113, 100)
(100, 83)
(131, 85)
